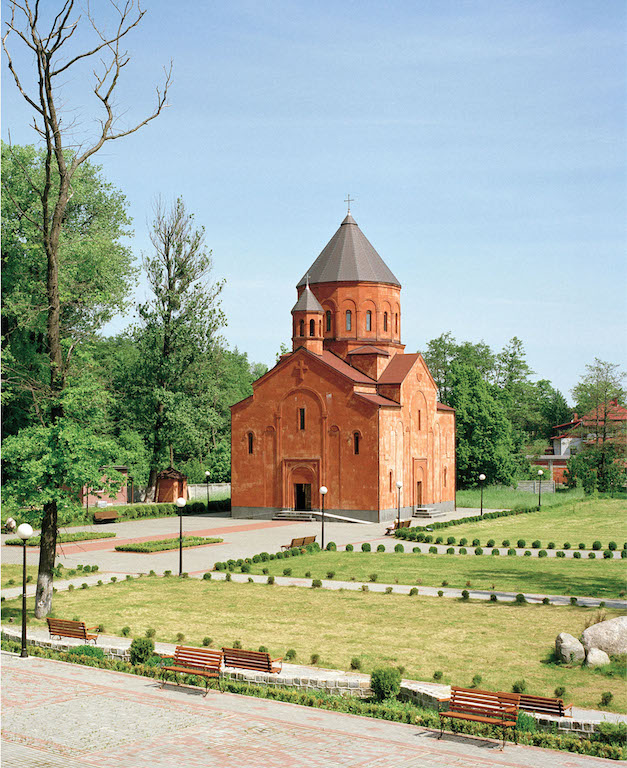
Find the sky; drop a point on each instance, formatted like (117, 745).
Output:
(484, 144)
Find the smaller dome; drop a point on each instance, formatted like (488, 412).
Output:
(307, 302)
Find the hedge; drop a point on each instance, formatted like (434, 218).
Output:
(64, 537)
(161, 545)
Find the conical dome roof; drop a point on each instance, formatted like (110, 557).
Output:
(307, 302)
(349, 257)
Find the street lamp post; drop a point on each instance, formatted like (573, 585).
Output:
(180, 503)
(399, 485)
(482, 481)
(540, 473)
(24, 531)
(207, 475)
(323, 492)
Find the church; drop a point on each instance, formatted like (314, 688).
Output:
(347, 408)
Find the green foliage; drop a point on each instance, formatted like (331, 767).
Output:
(34, 541)
(520, 686)
(365, 547)
(355, 663)
(86, 650)
(290, 654)
(385, 683)
(141, 649)
(161, 545)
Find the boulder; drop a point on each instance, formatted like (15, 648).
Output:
(597, 658)
(609, 636)
(568, 649)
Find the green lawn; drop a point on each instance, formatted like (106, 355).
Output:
(14, 572)
(500, 497)
(501, 642)
(585, 578)
(580, 521)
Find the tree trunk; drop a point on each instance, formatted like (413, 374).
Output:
(151, 488)
(47, 554)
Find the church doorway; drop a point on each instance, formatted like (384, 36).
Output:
(302, 497)
(419, 493)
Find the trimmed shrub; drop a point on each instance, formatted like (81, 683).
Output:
(388, 590)
(307, 573)
(439, 540)
(331, 547)
(495, 551)
(596, 545)
(316, 584)
(591, 555)
(476, 681)
(520, 599)
(573, 601)
(413, 591)
(355, 662)
(543, 553)
(560, 553)
(207, 576)
(450, 551)
(428, 538)
(450, 540)
(465, 594)
(349, 548)
(245, 568)
(287, 571)
(550, 545)
(206, 641)
(86, 650)
(290, 654)
(505, 543)
(126, 631)
(559, 691)
(365, 588)
(527, 553)
(490, 543)
(566, 545)
(476, 543)
(546, 601)
(612, 545)
(433, 550)
(365, 547)
(437, 675)
(536, 544)
(606, 698)
(581, 545)
(577, 555)
(478, 551)
(142, 648)
(385, 683)
(180, 636)
(416, 550)
(511, 552)
(520, 686)
(623, 553)
(493, 598)
(463, 551)
(330, 574)
(608, 554)
(314, 658)
(270, 580)
(399, 548)
(151, 632)
(228, 576)
(463, 541)
(373, 577)
(381, 547)
(521, 543)
(440, 593)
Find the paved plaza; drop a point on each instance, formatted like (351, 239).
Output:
(58, 715)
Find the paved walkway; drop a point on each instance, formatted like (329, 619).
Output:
(58, 715)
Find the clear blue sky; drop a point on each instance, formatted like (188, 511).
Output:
(484, 142)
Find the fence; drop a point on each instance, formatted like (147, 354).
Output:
(533, 486)
(198, 491)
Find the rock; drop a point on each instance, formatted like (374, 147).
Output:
(597, 658)
(568, 649)
(609, 636)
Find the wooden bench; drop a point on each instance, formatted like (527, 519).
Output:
(187, 660)
(105, 515)
(303, 541)
(482, 707)
(545, 706)
(396, 525)
(67, 628)
(257, 660)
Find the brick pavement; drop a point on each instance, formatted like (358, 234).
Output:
(57, 714)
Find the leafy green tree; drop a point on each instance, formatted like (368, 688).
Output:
(49, 35)
(483, 431)
(443, 352)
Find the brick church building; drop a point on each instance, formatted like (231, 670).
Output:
(347, 408)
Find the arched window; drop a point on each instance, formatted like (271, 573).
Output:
(356, 443)
(390, 481)
(301, 418)
(312, 327)
(419, 420)
(250, 442)
(385, 321)
(445, 473)
(349, 320)
(396, 322)
(368, 320)
(302, 327)
(328, 320)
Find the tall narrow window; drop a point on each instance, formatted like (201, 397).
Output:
(445, 477)
(390, 481)
(419, 420)
(328, 320)
(396, 322)
(250, 442)
(301, 418)
(312, 327)
(385, 321)
(368, 320)
(349, 320)
(356, 443)
(302, 327)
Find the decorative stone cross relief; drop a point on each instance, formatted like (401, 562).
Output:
(300, 369)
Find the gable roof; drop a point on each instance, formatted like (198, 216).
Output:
(398, 368)
(378, 400)
(349, 257)
(345, 369)
(369, 350)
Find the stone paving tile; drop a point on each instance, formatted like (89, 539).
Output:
(83, 716)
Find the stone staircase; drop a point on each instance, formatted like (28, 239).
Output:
(294, 516)
(428, 513)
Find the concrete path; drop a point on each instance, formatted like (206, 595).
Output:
(58, 715)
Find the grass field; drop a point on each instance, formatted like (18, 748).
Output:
(499, 497)
(503, 643)
(583, 520)
(590, 578)
(14, 572)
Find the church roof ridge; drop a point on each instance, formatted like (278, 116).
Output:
(349, 257)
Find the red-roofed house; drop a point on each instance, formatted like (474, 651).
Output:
(347, 409)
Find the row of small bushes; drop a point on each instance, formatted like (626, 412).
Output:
(244, 563)
(607, 742)
(473, 519)
(416, 534)
(62, 538)
(160, 545)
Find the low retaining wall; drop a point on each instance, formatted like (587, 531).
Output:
(425, 695)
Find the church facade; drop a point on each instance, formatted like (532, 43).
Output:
(347, 408)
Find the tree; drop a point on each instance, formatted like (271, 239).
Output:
(51, 42)
(178, 340)
(483, 431)
(442, 352)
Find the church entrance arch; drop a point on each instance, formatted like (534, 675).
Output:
(300, 483)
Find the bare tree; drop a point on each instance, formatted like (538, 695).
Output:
(54, 56)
